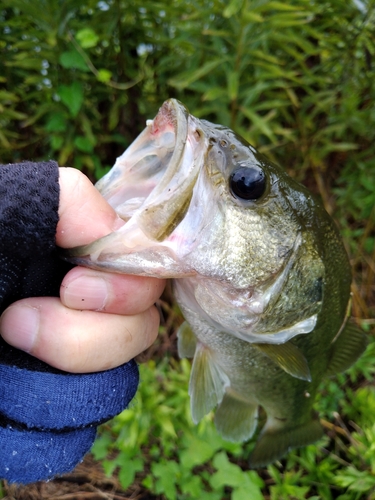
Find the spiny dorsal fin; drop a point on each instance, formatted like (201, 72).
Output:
(236, 420)
(207, 383)
(272, 446)
(288, 357)
(347, 348)
(186, 341)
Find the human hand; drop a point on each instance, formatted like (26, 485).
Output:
(101, 320)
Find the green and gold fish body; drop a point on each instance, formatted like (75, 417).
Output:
(259, 271)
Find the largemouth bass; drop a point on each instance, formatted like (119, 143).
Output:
(258, 268)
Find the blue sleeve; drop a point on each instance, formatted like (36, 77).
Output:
(48, 418)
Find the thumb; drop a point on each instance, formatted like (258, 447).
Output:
(84, 215)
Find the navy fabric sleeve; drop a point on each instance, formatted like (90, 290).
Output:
(47, 417)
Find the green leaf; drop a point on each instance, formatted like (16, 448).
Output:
(104, 75)
(245, 484)
(167, 476)
(56, 123)
(8, 96)
(72, 97)
(214, 93)
(275, 5)
(73, 60)
(199, 451)
(87, 38)
(188, 78)
(233, 7)
(233, 84)
(252, 17)
(227, 474)
(128, 471)
(56, 142)
(251, 487)
(101, 446)
(83, 144)
(192, 486)
(259, 122)
(25, 62)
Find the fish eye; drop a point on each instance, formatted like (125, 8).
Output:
(247, 183)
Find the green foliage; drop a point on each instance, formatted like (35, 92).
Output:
(158, 429)
(156, 443)
(296, 79)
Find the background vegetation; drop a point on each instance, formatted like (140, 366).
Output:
(296, 78)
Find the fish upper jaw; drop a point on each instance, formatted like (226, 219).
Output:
(150, 187)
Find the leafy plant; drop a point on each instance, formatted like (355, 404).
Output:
(162, 448)
(296, 79)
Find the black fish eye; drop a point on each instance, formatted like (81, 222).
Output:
(247, 183)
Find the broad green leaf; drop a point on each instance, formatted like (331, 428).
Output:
(83, 144)
(56, 122)
(227, 474)
(192, 486)
(167, 476)
(128, 470)
(247, 490)
(72, 97)
(87, 38)
(198, 452)
(56, 142)
(102, 445)
(104, 75)
(73, 60)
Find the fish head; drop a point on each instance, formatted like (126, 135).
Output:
(199, 202)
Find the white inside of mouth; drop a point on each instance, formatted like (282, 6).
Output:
(137, 172)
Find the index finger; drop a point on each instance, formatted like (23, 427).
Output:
(89, 289)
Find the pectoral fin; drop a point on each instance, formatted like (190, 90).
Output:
(236, 420)
(288, 357)
(186, 341)
(207, 383)
(346, 349)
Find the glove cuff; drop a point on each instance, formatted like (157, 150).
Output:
(35, 456)
(44, 400)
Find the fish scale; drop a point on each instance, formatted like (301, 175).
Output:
(258, 268)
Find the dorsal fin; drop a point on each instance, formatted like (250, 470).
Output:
(288, 357)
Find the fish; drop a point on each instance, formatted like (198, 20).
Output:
(258, 268)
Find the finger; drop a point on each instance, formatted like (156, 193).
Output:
(89, 289)
(77, 341)
(84, 215)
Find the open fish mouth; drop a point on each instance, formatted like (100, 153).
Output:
(150, 188)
